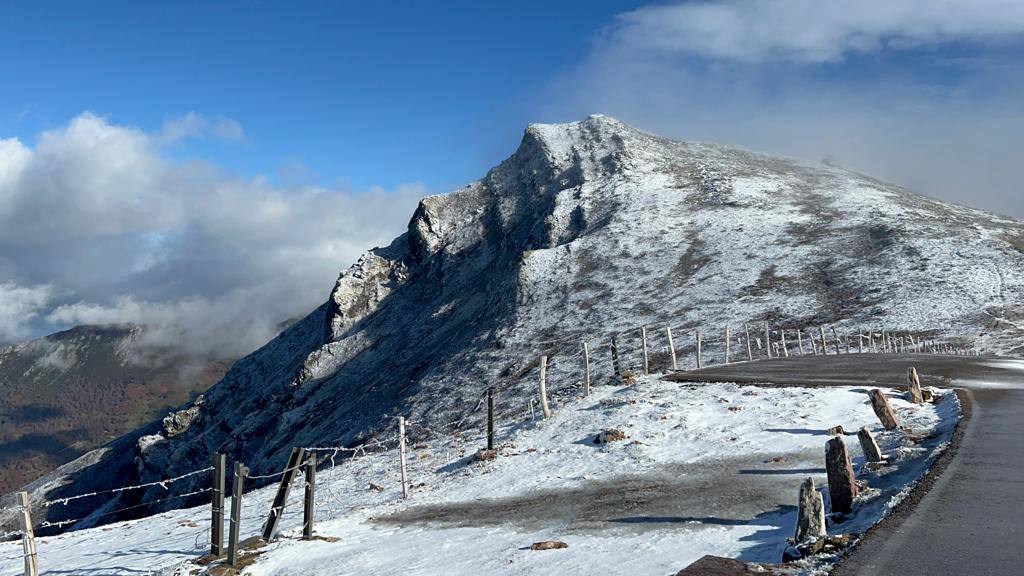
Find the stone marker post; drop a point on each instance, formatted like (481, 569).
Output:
(810, 516)
(842, 483)
(914, 393)
(880, 404)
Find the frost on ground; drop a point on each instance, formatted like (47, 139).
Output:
(704, 469)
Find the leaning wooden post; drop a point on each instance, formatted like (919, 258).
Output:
(700, 361)
(728, 342)
(767, 340)
(869, 446)
(238, 485)
(824, 342)
(291, 469)
(544, 387)
(643, 342)
(671, 347)
(615, 359)
(586, 370)
(842, 483)
(220, 464)
(810, 515)
(800, 341)
(28, 536)
(785, 349)
(835, 335)
(401, 456)
(880, 404)
(750, 350)
(309, 498)
(914, 393)
(490, 419)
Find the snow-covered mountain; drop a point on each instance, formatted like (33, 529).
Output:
(590, 228)
(73, 391)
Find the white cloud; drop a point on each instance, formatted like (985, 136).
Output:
(19, 305)
(117, 232)
(813, 30)
(197, 126)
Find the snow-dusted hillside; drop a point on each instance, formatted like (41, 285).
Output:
(589, 229)
(706, 469)
(73, 391)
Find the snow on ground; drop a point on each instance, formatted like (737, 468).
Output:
(706, 469)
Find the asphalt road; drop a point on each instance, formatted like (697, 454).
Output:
(966, 517)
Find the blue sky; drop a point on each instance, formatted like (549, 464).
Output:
(208, 168)
(371, 93)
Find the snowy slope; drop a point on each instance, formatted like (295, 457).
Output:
(590, 228)
(706, 469)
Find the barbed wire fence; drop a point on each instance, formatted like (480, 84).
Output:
(618, 353)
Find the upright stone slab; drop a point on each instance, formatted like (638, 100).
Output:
(810, 516)
(883, 410)
(914, 391)
(869, 446)
(842, 483)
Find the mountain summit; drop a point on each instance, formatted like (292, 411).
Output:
(590, 228)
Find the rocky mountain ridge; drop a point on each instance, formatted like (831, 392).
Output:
(589, 229)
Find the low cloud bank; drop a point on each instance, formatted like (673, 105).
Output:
(98, 225)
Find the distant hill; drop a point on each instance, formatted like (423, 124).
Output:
(70, 392)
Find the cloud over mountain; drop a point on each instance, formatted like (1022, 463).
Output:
(100, 225)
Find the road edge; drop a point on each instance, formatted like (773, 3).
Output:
(892, 521)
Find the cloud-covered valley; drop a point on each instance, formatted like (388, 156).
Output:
(98, 224)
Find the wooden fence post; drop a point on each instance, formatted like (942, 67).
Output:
(28, 537)
(861, 338)
(309, 498)
(835, 335)
(700, 361)
(220, 464)
(643, 342)
(842, 483)
(291, 469)
(671, 347)
(810, 516)
(544, 387)
(238, 486)
(800, 341)
(750, 351)
(586, 370)
(615, 359)
(767, 340)
(785, 349)
(490, 418)
(401, 456)
(885, 342)
(728, 343)
(824, 342)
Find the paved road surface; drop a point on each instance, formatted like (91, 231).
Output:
(968, 522)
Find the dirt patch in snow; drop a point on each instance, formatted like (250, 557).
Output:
(725, 492)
